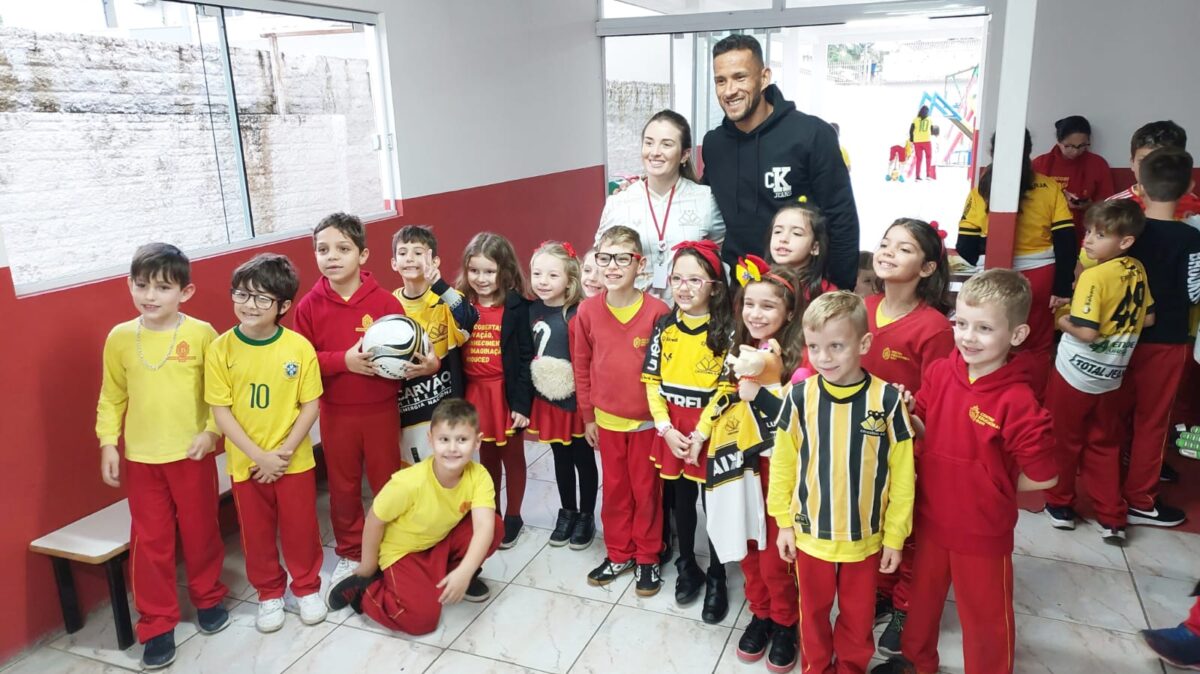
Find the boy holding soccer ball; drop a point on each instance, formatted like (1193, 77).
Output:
(360, 424)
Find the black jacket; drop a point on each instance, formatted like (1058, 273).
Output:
(516, 352)
(789, 155)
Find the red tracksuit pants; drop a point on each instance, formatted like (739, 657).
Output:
(923, 151)
(406, 597)
(351, 436)
(770, 581)
(632, 508)
(850, 641)
(1193, 619)
(285, 509)
(164, 497)
(898, 585)
(1087, 442)
(1151, 382)
(983, 591)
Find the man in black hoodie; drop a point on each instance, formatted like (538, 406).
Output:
(767, 154)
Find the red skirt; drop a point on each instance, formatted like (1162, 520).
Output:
(495, 420)
(669, 466)
(552, 424)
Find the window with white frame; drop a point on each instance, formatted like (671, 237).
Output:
(127, 121)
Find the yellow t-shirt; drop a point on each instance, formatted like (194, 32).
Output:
(845, 157)
(1043, 210)
(161, 410)
(922, 129)
(882, 319)
(420, 512)
(264, 383)
(434, 315)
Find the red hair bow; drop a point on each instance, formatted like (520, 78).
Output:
(565, 244)
(940, 232)
(705, 249)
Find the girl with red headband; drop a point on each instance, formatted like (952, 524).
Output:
(910, 330)
(554, 274)
(682, 373)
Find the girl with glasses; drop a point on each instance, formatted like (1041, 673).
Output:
(1084, 176)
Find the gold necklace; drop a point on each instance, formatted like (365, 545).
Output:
(170, 349)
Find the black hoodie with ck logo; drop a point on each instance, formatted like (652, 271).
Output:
(790, 155)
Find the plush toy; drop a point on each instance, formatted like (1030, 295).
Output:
(553, 377)
(764, 365)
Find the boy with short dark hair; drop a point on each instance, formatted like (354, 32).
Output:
(1100, 330)
(153, 393)
(985, 439)
(420, 549)
(263, 383)
(360, 425)
(842, 488)
(1170, 252)
(446, 318)
(1146, 139)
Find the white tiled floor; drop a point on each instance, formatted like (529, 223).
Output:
(1079, 604)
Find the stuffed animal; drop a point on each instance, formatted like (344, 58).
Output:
(764, 365)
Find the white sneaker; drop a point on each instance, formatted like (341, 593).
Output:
(270, 616)
(345, 567)
(312, 608)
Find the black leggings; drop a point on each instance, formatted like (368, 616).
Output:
(569, 459)
(686, 492)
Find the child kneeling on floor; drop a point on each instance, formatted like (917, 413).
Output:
(420, 551)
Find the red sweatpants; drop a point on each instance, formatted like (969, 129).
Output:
(770, 581)
(163, 497)
(1193, 619)
(1040, 342)
(1187, 402)
(287, 509)
(507, 461)
(352, 435)
(1087, 441)
(406, 597)
(924, 149)
(983, 591)
(851, 639)
(898, 585)
(632, 507)
(1151, 382)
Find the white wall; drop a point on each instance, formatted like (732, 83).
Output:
(1120, 63)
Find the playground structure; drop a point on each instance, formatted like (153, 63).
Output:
(957, 105)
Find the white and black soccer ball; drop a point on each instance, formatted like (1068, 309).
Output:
(393, 341)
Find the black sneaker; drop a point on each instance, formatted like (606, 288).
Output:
(349, 591)
(883, 608)
(608, 571)
(563, 527)
(649, 580)
(160, 651)
(477, 590)
(212, 620)
(889, 641)
(664, 557)
(1168, 474)
(584, 531)
(1061, 517)
(897, 665)
(512, 529)
(1112, 535)
(782, 656)
(716, 601)
(1160, 515)
(690, 581)
(753, 643)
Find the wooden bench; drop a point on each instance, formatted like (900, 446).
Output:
(100, 538)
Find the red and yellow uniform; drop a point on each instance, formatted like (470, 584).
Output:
(264, 383)
(842, 477)
(161, 411)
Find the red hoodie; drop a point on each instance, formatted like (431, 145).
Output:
(1086, 177)
(902, 349)
(334, 325)
(979, 437)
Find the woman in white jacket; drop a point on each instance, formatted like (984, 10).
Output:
(668, 207)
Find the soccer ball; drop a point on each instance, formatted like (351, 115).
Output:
(392, 341)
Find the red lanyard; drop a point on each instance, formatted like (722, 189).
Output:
(661, 231)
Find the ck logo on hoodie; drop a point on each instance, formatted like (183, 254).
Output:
(776, 180)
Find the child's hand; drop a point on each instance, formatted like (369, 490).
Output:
(748, 389)
(519, 421)
(889, 561)
(677, 442)
(918, 425)
(422, 365)
(272, 464)
(202, 445)
(695, 447)
(366, 569)
(906, 396)
(433, 271)
(786, 542)
(454, 586)
(592, 434)
(1056, 301)
(359, 362)
(110, 465)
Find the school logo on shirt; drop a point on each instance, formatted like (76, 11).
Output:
(437, 333)
(732, 425)
(291, 369)
(776, 181)
(875, 424)
(708, 365)
(981, 418)
(640, 342)
(464, 507)
(367, 322)
(892, 354)
(183, 352)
